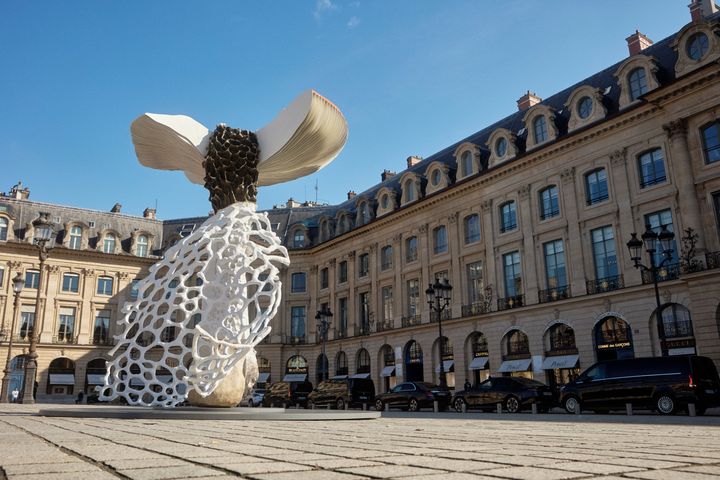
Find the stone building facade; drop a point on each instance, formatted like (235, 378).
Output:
(527, 219)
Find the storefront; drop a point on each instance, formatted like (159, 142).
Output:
(613, 339)
(413, 362)
(676, 330)
(561, 356)
(263, 380)
(447, 357)
(296, 369)
(387, 375)
(61, 377)
(363, 364)
(479, 364)
(517, 361)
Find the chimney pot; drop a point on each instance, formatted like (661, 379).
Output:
(351, 194)
(413, 160)
(386, 174)
(149, 213)
(528, 100)
(116, 208)
(637, 42)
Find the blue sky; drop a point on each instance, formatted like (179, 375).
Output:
(411, 76)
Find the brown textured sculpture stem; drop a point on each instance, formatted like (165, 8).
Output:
(231, 166)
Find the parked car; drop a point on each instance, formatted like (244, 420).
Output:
(665, 384)
(254, 398)
(514, 393)
(340, 392)
(287, 393)
(413, 396)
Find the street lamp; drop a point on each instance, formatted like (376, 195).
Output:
(323, 319)
(652, 241)
(17, 283)
(438, 297)
(44, 231)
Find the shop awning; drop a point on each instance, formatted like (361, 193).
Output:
(339, 377)
(388, 371)
(479, 363)
(521, 365)
(263, 377)
(295, 377)
(360, 375)
(96, 378)
(62, 379)
(447, 366)
(561, 361)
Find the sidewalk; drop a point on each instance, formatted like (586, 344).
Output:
(396, 446)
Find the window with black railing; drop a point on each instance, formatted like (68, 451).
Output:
(508, 217)
(596, 186)
(554, 294)
(711, 142)
(662, 274)
(606, 284)
(363, 265)
(549, 203)
(651, 168)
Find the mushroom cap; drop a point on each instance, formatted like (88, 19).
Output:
(303, 138)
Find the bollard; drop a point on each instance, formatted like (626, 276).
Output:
(346, 406)
(534, 408)
(284, 404)
(387, 407)
(628, 408)
(691, 409)
(499, 408)
(435, 406)
(364, 406)
(312, 406)
(464, 407)
(577, 409)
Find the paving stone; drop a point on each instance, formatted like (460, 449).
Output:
(531, 473)
(670, 475)
(182, 471)
(263, 467)
(589, 467)
(98, 475)
(144, 463)
(390, 471)
(43, 468)
(441, 463)
(312, 475)
(709, 469)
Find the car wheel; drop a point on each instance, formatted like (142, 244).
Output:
(512, 404)
(340, 404)
(413, 405)
(571, 404)
(460, 405)
(379, 405)
(665, 404)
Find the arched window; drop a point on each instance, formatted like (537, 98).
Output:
(675, 321)
(471, 226)
(363, 361)
(409, 190)
(549, 202)
(142, 246)
(540, 129)
(517, 343)
(296, 364)
(413, 362)
(109, 243)
(638, 83)
(3, 229)
(697, 46)
(613, 339)
(440, 244)
(711, 142)
(341, 366)
(561, 338)
(298, 239)
(75, 238)
(467, 163)
(501, 147)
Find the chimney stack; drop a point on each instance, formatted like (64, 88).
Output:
(637, 42)
(116, 208)
(413, 160)
(18, 192)
(351, 194)
(528, 100)
(386, 174)
(291, 203)
(149, 213)
(699, 9)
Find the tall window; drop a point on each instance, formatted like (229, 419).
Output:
(508, 217)
(32, 279)
(555, 264)
(656, 220)
(652, 168)
(70, 282)
(517, 343)
(3, 229)
(341, 366)
(298, 239)
(134, 289)
(471, 227)
(409, 190)
(297, 322)
(475, 281)
(440, 244)
(467, 163)
(603, 246)
(101, 329)
(413, 293)
(549, 203)
(342, 272)
(364, 213)
(711, 142)
(2, 276)
(411, 249)
(324, 278)
(364, 311)
(638, 83)
(105, 286)
(596, 186)
(75, 238)
(363, 265)
(142, 246)
(342, 315)
(109, 243)
(676, 321)
(386, 257)
(27, 323)
(298, 282)
(716, 206)
(66, 324)
(540, 129)
(387, 299)
(513, 275)
(363, 361)
(562, 337)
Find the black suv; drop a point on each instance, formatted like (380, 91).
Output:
(287, 394)
(665, 384)
(340, 392)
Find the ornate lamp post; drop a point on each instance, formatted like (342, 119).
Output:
(43, 233)
(18, 283)
(438, 297)
(652, 241)
(323, 319)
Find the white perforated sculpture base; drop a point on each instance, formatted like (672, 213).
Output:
(199, 312)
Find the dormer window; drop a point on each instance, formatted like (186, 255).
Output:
(436, 177)
(697, 46)
(409, 190)
(638, 83)
(501, 147)
(636, 76)
(540, 123)
(467, 163)
(410, 182)
(3, 229)
(109, 243)
(540, 129)
(364, 213)
(584, 107)
(75, 238)
(299, 239)
(385, 201)
(142, 246)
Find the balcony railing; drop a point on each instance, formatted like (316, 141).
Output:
(511, 302)
(293, 340)
(553, 294)
(606, 284)
(446, 314)
(385, 326)
(410, 320)
(68, 339)
(341, 333)
(362, 329)
(712, 260)
(475, 309)
(665, 273)
(22, 338)
(102, 340)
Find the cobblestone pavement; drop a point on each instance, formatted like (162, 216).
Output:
(399, 445)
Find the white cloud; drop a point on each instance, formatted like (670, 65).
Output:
(353, 22)
(322, 6)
